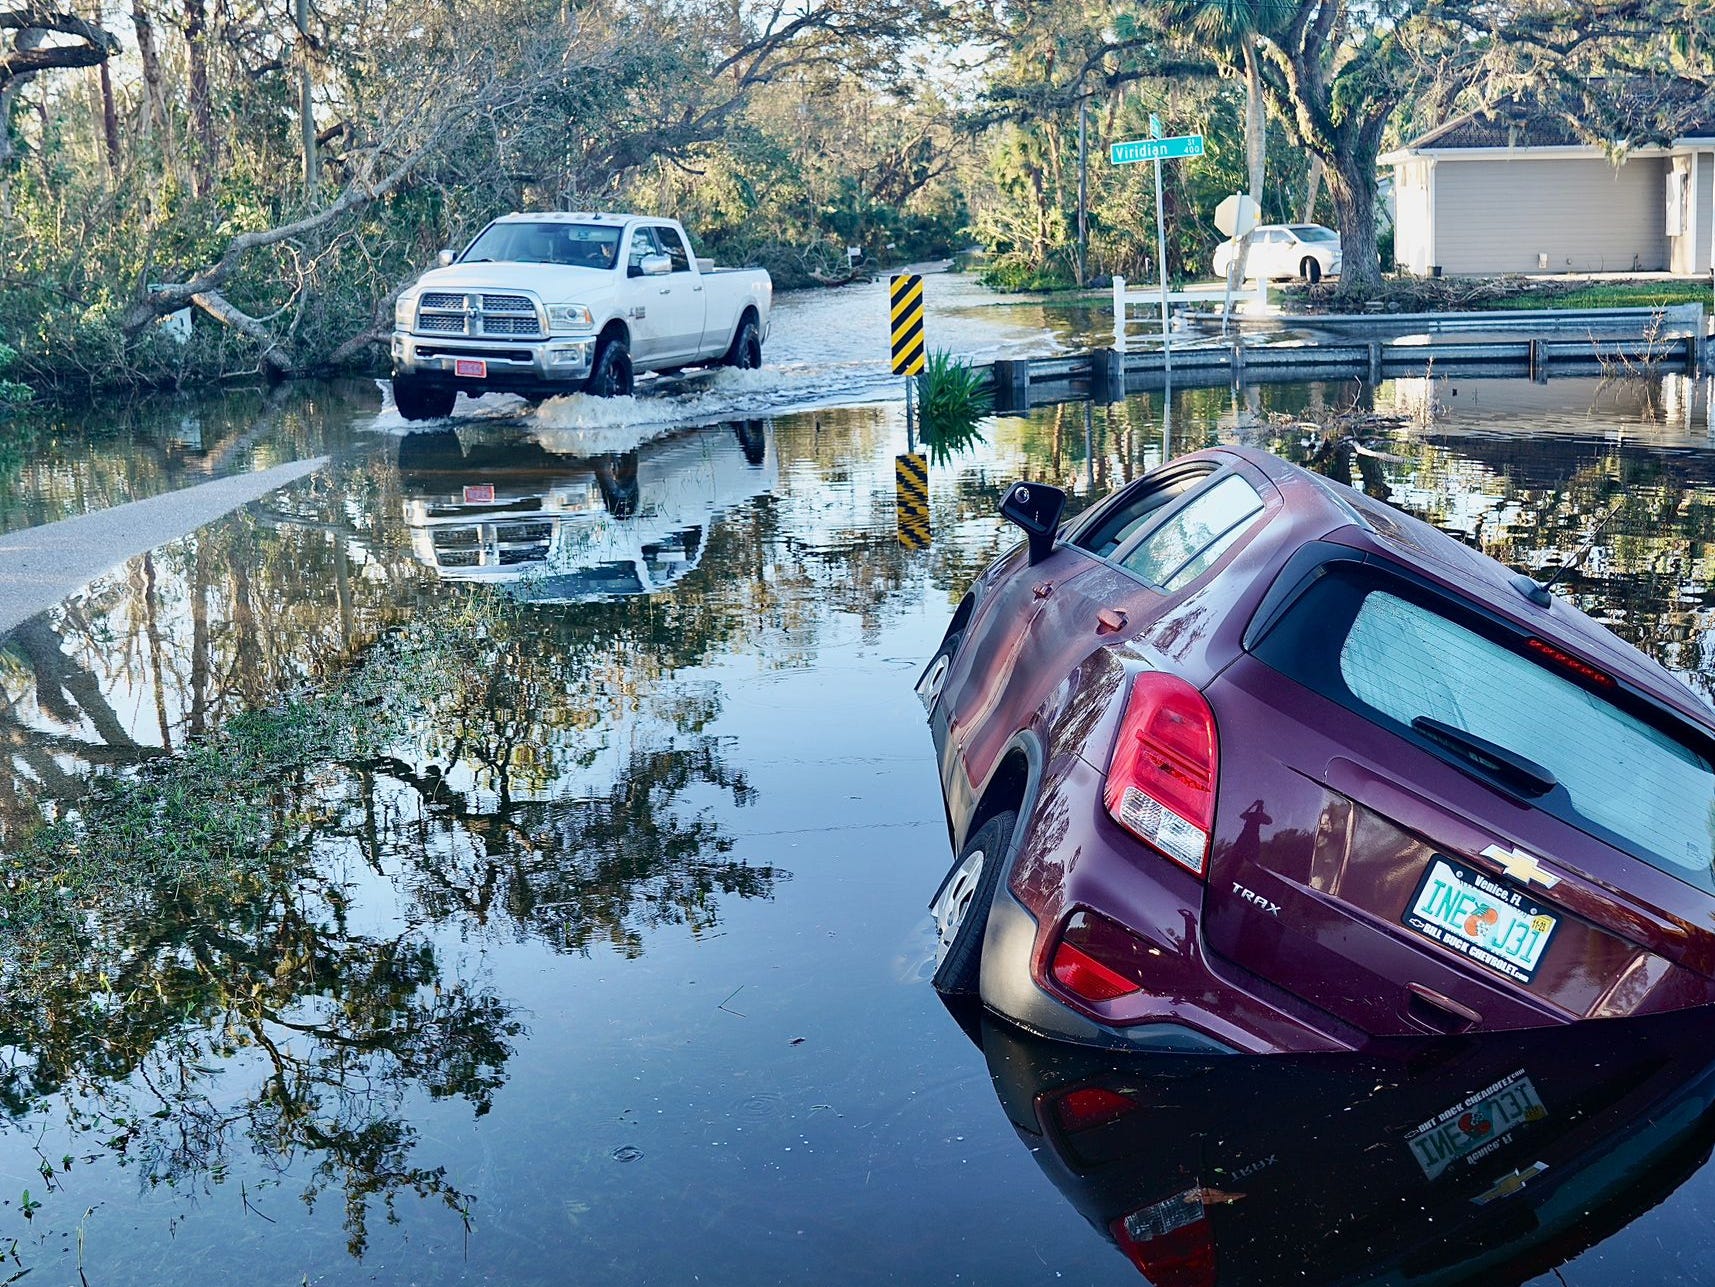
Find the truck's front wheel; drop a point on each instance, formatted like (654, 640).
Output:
(746, 350)
(611, 376)
(418, 401)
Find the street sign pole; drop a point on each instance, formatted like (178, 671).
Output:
(1161, 251)
(1158, 149)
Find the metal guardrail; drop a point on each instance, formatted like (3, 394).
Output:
(1125, 300)
(1105, 374)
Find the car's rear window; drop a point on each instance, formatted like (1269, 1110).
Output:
(1400, 654)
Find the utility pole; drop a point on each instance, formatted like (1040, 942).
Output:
(306, 114)
(1083, 184)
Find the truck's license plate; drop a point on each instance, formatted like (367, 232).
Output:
(1482, 918)
(475, 368)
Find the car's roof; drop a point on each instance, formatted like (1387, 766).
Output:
(577, 216)
(1425, 548)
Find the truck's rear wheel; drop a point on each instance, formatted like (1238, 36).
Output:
(418, 401)
(611, 376)
(746, 350)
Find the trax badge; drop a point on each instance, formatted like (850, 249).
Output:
(1256, 899)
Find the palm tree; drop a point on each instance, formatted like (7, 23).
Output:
(1228, 30)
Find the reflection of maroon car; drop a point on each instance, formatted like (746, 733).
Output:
(1483, 1160)
(1241, 760)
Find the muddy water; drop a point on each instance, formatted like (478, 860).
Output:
(611, 965)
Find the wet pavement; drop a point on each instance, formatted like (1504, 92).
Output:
(577, 933)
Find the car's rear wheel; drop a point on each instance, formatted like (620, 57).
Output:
(1310, 270)
(961, 906)
(746, 350)
(935, 673)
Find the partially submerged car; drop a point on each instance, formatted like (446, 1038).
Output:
(1242, 760)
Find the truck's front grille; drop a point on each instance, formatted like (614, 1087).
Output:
(456, 313)
(510, 326)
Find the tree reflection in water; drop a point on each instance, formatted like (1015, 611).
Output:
(187, 970)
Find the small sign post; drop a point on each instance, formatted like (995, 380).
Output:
(1158, 149)
(905, 301)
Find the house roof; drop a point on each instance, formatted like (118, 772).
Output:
(1656, 113)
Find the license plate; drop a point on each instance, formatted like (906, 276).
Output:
(1476, 1126)
(1481, 918)
(479, 494)
(475, 368)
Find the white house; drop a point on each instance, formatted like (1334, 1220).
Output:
(1488, 194)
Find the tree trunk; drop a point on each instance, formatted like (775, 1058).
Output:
(1312, 188)
(109, 120)
(1352, 185)
(1256, 123)
(154, 97)
(202, 103)
(1256, 158)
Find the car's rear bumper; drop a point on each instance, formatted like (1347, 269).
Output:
(1075, 857)
(1009, 946)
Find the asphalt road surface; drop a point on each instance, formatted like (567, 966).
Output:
(39, 566)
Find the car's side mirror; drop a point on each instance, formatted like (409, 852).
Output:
(443, 258)
(1036, 508)
(657, 265)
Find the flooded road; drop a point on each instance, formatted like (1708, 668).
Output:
(517, 872)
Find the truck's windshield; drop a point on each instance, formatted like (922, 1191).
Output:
(579, 245)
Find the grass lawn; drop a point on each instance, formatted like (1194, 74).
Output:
(1404, 294)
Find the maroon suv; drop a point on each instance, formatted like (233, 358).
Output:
(1241, 760)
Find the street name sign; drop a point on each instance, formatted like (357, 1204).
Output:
(1181, 145)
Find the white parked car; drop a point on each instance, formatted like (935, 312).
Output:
(1306, 250)
(547, 304)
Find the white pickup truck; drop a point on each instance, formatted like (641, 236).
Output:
(549, 304)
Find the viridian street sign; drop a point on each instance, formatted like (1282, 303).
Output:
(1172, 149)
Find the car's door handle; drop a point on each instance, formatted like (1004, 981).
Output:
(1431, 1009)
(1042, 589)
(666, 290)
(697, 290)
(1109, 619)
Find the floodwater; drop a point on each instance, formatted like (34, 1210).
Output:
(588, 943)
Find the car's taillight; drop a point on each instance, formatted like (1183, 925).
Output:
(1171, 1242)
(1084, 976)
(1088, 1107)
(1161, 778)
(1096, 959)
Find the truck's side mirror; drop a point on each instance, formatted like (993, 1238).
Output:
(657, 265)
(1036, 508)
(443, 258)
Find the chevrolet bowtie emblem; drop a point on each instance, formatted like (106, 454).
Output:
(1508, 1185)
(1522, 866)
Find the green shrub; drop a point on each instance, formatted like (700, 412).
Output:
(951, 401)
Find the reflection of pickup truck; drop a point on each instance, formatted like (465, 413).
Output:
(557, 528)
(545, 304)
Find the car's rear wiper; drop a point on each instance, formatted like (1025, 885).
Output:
(1526, 777)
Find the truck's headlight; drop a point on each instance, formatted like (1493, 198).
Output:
(569, 317)
(404, 312)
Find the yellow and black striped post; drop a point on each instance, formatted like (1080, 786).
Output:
(907, 300)
(911, 497)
